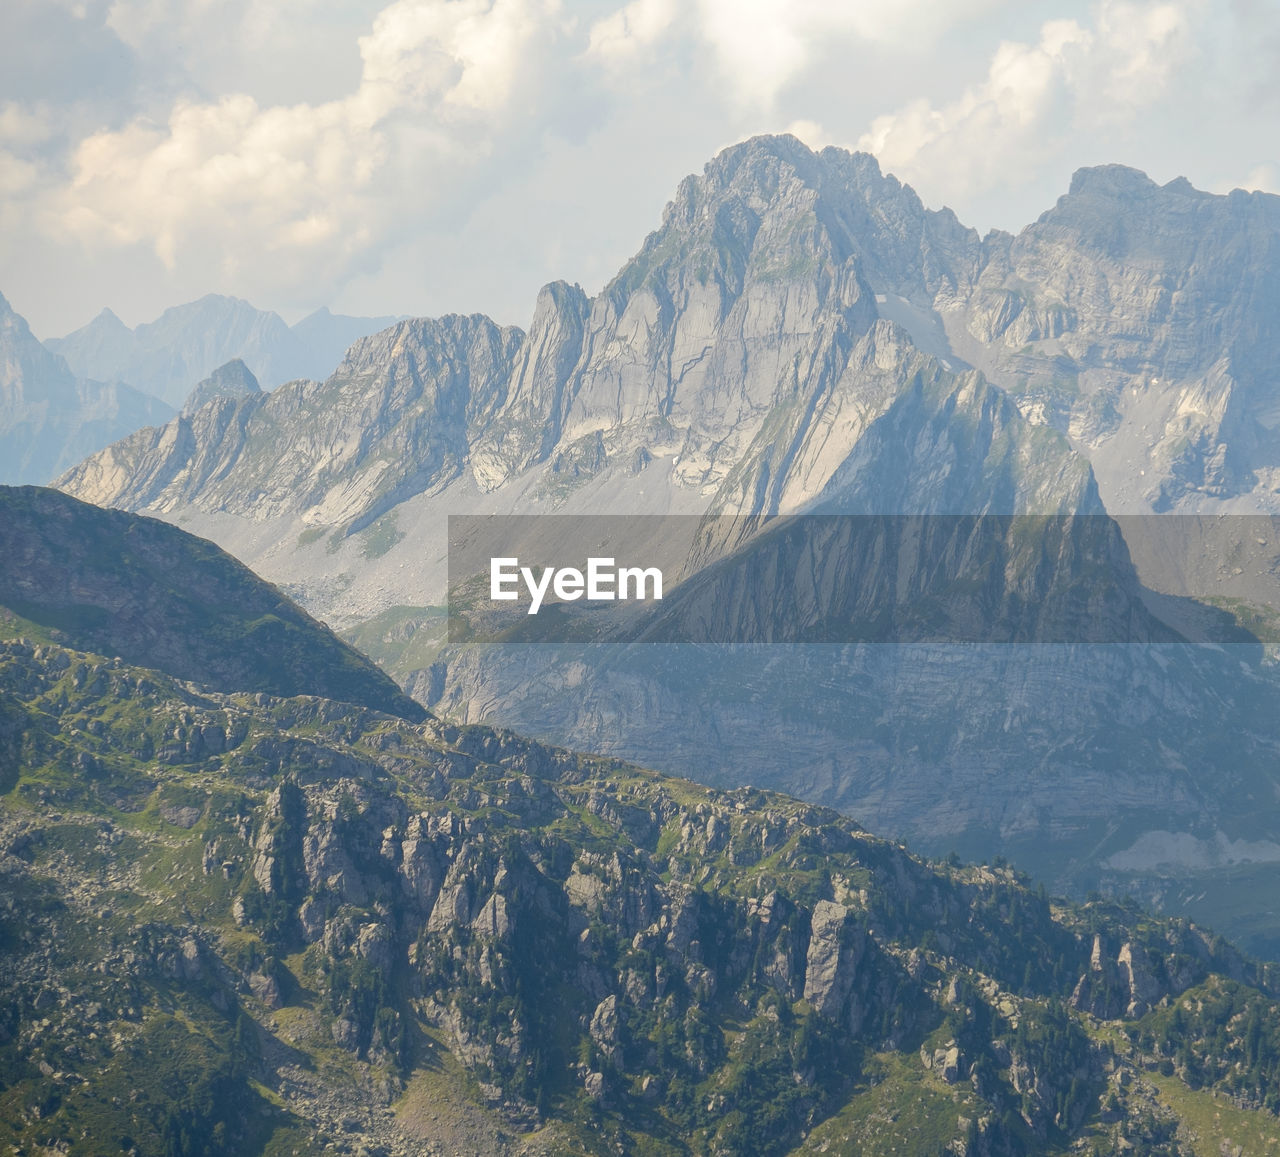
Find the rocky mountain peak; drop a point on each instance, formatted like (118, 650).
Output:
(1110, 181)
(232, 380)
(732, 332)
(108, 318)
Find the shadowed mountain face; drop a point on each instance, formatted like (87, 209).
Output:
(146, 592)
(49, 418)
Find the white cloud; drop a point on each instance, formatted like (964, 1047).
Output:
(763, 46)
(626, 33)
(1261, 179)
(760, 47)
(428, 155)
(25, 124)
(1072, 79)
(271, 195)
(1142, 47)
(433, 55)
(811, 132)
(18, 176)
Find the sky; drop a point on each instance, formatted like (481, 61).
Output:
(435, 156)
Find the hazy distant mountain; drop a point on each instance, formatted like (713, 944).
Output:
(323, 338)
(187, 342)
(49, 418)
(233, 380)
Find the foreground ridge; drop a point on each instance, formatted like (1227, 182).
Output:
(240, 923)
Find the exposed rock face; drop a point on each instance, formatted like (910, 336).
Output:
(836, 946)
(394, 420)
(233, 380)
(405, 901)
(1141, 320)
(781, 311)
(744, 339)
(49, 418)
(528, 426)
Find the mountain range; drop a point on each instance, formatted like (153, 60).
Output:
(186, 343)
(49, 417)
(66, 398)
(792, 310)
(802, 335)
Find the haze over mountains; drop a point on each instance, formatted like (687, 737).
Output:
(49, 418)
(801, 334)
(344, 922)
(781, 312)
(63, 399)
(166, 357)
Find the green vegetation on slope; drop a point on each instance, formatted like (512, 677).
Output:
(241, 924)
(124, 585)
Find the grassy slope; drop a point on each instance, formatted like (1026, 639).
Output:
(122, 585)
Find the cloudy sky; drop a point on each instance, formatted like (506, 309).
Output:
(429, 156)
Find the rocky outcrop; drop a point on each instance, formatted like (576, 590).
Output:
(835, 951)
(574, 935)
(1140, 977)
